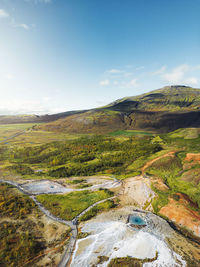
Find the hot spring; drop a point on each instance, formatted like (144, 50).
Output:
(136, 220)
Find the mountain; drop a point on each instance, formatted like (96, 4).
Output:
(11, 119)
(169, 98)
(163, 110)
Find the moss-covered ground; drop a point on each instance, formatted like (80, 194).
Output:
(72, 204)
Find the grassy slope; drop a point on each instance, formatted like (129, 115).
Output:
(172, 170)
(16, 245)
(70, 205)
(95, 121)
(25, 232)
(98, 208)
(84, 156)
(160, 110)
(172, 98)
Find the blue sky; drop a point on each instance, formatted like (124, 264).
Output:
(59, 55)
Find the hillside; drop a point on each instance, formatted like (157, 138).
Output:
(12, 119)
(169, 98)
(165, 109)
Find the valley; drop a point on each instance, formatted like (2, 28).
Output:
(99, 133)
(80, 188)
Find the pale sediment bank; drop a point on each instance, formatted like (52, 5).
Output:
(51, 187)
(111, 236)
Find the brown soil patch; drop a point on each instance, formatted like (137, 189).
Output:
(192, 176)
(149, 163)
(179, 213)
(193, 157)
(158, 183)
(136, 191)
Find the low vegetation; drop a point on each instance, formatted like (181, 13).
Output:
(83, 157)
(131, 261)
(17, 246)
(82, 235)
(18, 240)
(130, 133)
(171, 170)
(97, 209)
(70, 205)
(14, 205)
(24, 233)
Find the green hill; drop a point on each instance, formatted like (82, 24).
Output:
(163, 110)
(169, 98)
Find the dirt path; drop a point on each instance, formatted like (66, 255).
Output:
(93, 205)
(149, 163)
(45, 253)
(72, 224)
(12, 136)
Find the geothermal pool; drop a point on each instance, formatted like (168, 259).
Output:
(112, 237)
(50, 187)
(45, 187)
(136, 220)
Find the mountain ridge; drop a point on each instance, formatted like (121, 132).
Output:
(179, 94)
(164, 109)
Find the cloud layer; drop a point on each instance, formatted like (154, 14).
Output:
(182, 74)
(122, 78)
(3, 14)
(39, 1)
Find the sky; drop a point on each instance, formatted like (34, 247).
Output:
(60, 55)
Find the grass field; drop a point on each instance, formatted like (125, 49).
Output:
(25, 232)
(171, 170)
(130, 133)
(17, 245)
(130, 261)
(98, 208)
(70, 205)
(7, 130)
(78, 157)
(41, 137)
(188, 133)
(31, 136)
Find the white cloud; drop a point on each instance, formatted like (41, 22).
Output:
(160, 71)
(133, 83)
(104, 83)
(178, 75)
(9, 76)
(24, 26)
(192, 81)
(129, 66)
(12, 22)
(139, 68)
(39, 1)
(130, 84)
(3, 14)
(21, 107)
(27, 106)
(114, 71)
(115, 82)
(127, 74)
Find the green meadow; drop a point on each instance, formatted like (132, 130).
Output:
(72, 204)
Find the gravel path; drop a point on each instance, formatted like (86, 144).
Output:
(65, 261)
(12, 136)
